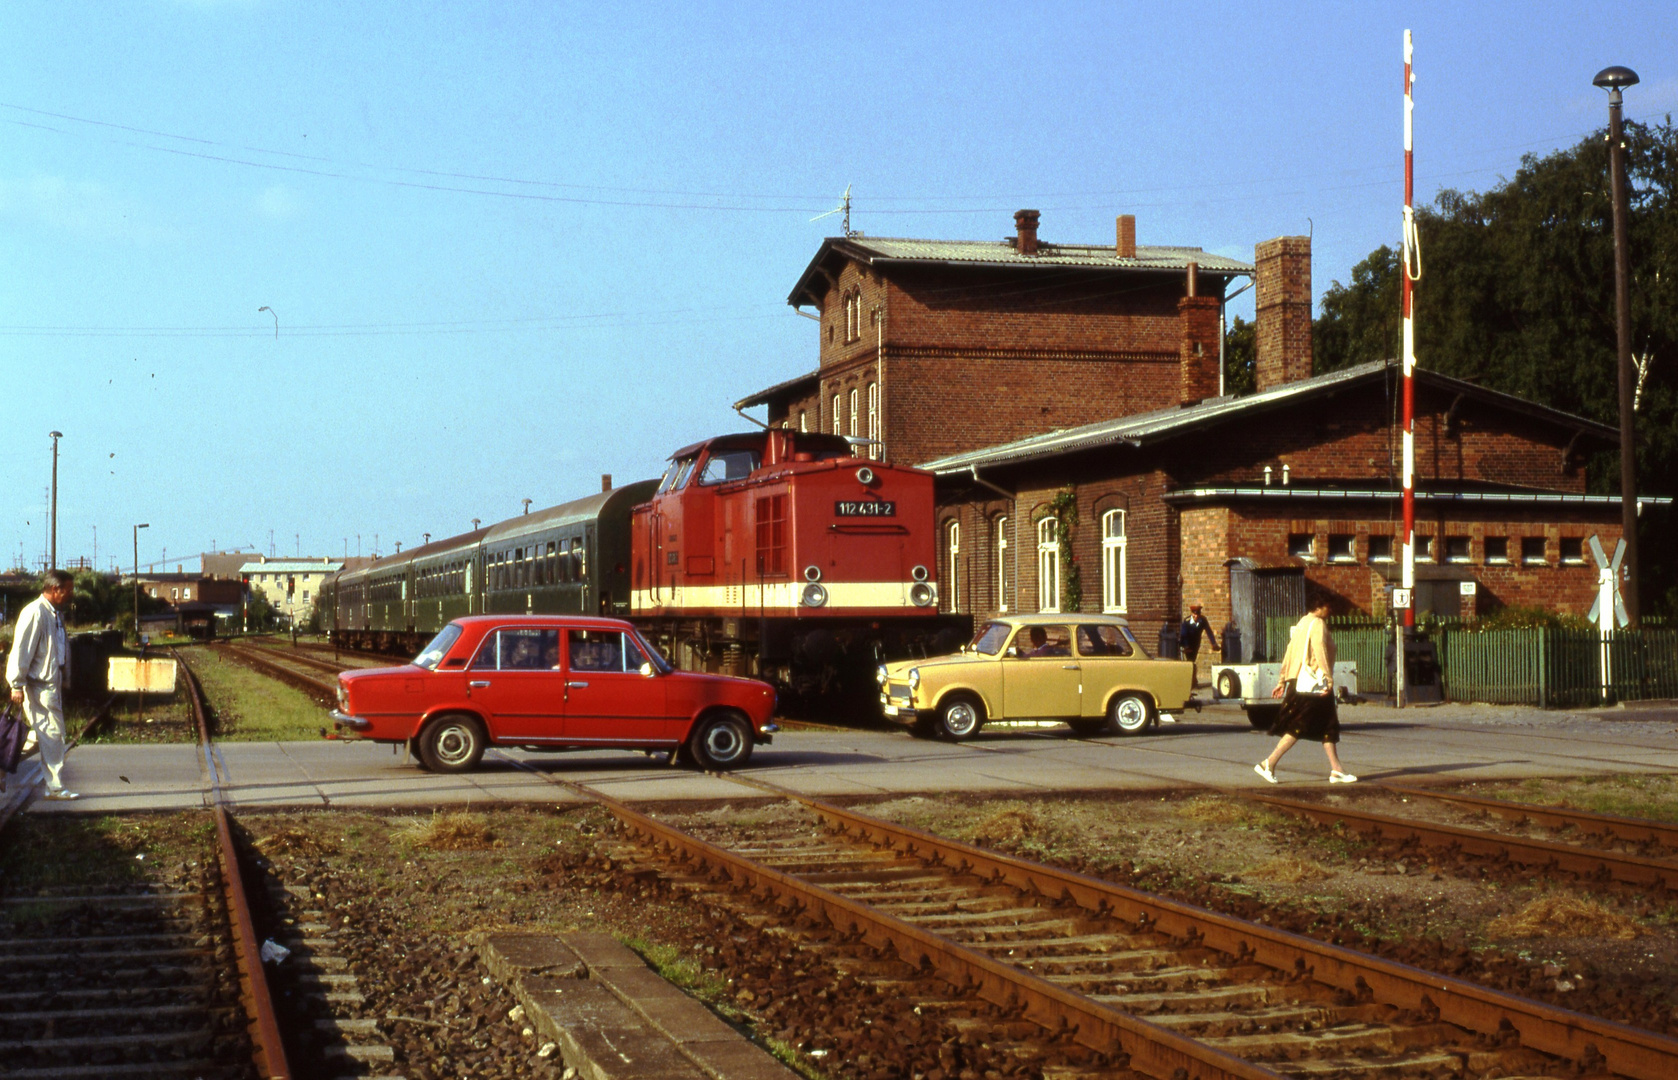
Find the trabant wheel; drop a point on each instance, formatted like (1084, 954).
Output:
(1129, 714)
(960, 718)
(721, 742)
(452, 744)
(1229, 685)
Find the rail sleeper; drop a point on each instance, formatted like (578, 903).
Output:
(614, 1018)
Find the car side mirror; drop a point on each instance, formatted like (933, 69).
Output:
(647, 670)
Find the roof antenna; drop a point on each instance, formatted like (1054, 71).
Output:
(844, 207)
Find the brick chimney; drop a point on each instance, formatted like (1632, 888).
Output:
(606, 481)
(1026, 222)
(1127, 236)
(1198, 350)
(1282, 287)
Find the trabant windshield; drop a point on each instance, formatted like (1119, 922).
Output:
(991, 638)
(729, 465)
(433, 654)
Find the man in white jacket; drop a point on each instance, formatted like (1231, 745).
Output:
(38, 670)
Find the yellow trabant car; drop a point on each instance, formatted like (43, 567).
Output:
(1087, 670)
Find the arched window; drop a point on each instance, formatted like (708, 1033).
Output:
(1004, 566)
(1114, 594)
(952, 579)
(1048, 565)
(853, 415)
(874, 420)
(838, 421)
(803, 422)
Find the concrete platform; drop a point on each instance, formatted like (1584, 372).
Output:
(1216, 747)
(613, 1017)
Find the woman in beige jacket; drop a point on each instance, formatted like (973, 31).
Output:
(1303, 715)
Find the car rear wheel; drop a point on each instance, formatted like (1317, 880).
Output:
(452, 744)
(960, 718)
(1129, 714)
(721, 742)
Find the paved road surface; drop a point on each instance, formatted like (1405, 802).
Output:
(1216, 747)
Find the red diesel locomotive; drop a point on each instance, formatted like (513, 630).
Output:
(783, 554)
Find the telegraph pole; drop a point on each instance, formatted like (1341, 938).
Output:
(52, 548)
(1613, 79)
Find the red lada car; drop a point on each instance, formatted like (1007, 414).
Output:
(551, 683)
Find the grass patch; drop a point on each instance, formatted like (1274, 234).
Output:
(458, 830)
(1015, 826)
(250, 707)
(1654, 797)
(1561, 916)
(1213, 810)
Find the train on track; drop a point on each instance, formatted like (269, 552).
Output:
(778, 554)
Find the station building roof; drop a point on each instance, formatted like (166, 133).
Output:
(292, 566)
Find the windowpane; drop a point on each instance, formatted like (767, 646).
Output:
(1302, 545)
(952, 565)
(1048, 566)
(1098, 640)
(1572, 551)
(772, 535)
(1458, 549)
(1497, 549)
(1380, 549)
(729, 465)
(1114, 554)
(597, 650)
(1342, 548)
(1004, 566)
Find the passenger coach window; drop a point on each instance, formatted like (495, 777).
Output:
(729, 465)
(579, 560)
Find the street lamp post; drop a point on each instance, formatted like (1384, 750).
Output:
(1613, 79)
(52, 548)
(137, 529)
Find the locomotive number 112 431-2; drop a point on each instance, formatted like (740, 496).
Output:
(864, 508)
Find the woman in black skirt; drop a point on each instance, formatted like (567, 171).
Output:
(1307, 715)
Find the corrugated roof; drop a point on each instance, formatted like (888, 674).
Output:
(291, 566)
(1003, 252)
(1208, 494)
(768, 394)
(1140, 428)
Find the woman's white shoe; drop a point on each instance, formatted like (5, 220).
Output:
(1338, 777)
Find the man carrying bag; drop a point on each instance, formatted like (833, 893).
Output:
(38, 671)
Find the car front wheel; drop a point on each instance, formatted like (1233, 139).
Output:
(452, 744)
(1129, 714)
(721, 742)
(960, 718)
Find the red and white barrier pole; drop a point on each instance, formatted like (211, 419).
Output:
(1410, 259)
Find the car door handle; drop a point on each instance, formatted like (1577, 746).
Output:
(575, 684)
(1070, 667)
(479, 684)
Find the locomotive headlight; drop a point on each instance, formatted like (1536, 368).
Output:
(921, 594)
(814, 595)
(812, 573)
(914, 678)
(919, 573)
(865, 476)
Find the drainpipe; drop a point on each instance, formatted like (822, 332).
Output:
(1014, 516)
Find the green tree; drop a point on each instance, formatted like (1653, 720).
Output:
(1241, 357)
(1517, 294)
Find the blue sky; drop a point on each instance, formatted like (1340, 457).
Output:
(511, 247)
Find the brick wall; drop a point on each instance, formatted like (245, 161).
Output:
(1198, 351)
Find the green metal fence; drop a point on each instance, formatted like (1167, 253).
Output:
(1548, 667)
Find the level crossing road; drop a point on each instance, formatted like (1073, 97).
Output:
(1213, 748)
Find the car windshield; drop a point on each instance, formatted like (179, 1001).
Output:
(659, 663)
(433, 654)
(991, 638)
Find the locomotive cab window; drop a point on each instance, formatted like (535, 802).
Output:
(729, 465)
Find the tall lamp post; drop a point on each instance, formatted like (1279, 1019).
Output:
(1613, 79)
(52, 547)
(137, 529)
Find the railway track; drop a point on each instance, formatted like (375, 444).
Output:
(1084, 977)
(137, 980)
(1587, 863)
(323, 690)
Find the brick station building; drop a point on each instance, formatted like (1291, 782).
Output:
(1044, 383)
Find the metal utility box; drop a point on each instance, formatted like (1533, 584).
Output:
(134, 675)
